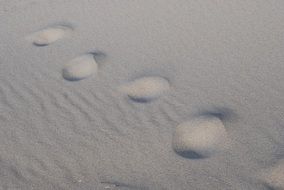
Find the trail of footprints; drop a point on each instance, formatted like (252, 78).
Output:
(200, 137)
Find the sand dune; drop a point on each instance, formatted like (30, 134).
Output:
(182, 95)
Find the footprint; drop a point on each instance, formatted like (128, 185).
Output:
(50, 35)
(146, 89)
(120, 186)
(80, 68)
(200, 137)
(274, 177)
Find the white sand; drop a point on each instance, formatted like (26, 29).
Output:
(219, 58)
(49, 35)
(200, 137)
(146, 89)
(273, 176)
(80, 67)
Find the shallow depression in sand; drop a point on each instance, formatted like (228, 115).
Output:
(80, 67)
(146, 89)
(274, 177)
(50, 35)
(199, 137)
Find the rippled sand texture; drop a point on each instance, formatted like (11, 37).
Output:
(70, 119)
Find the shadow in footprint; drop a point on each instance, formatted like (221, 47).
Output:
(191, 155)
(99, 56)
(223, 113)
(141, 100)
(268, 187)
(118, 185)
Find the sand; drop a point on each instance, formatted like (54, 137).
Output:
(80, 68)
(200, 137)
(145, 89)
(49, 35)
(222, 59)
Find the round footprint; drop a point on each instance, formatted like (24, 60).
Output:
(274, 177)
(146, 89)
(79, 68)
(200, 137)
(49, 35)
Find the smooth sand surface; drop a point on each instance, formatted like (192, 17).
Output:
(222, 59)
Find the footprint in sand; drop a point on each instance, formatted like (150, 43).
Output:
(200, 137)
(145, 89)
(80, 67)
(274, 177)
(50, 35)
